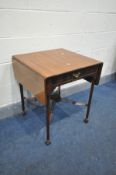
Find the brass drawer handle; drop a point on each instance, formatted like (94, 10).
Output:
(76, 75)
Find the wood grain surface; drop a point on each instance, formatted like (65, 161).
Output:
(31, 80)
(55, 62)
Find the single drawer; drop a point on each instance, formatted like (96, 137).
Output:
(82, 73)
(73, 76)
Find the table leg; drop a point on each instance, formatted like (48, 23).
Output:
(48, 117)
(89, 102)
(22, 99)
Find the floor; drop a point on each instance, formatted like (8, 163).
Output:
(77, 148)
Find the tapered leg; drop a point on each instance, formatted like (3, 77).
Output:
(48, 118)
(22, 99)
(89, 102)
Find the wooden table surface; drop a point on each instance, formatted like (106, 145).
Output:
(55, 62)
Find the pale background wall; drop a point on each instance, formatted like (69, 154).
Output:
(84, 26)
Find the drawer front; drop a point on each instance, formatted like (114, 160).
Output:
(83, 73)
(73, 76)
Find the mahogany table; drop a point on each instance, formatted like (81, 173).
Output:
(42, 73)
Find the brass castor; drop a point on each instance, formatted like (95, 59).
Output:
(86, 120)
(47, 142)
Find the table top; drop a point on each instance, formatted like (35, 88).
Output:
(54, 62)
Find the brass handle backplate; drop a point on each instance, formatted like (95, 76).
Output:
(76, 75)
